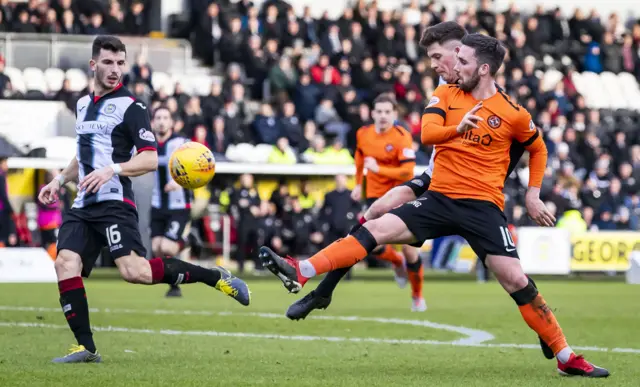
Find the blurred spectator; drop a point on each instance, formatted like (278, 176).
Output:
(283, 79)
(306, 97)
(135, 23)
(317, 153)
(220, 139)
(267, 128)
(282, 153)
(291, 127)
(232, 43)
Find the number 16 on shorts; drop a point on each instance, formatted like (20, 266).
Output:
(113, 237)
(509, 245)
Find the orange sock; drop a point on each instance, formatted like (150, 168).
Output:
(416, 278)
(541, 319)
(52, 249)
(390, 255)
(344, 252)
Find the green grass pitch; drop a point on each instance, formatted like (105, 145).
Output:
(367, 337)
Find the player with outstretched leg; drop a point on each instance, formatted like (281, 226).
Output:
(473, 124)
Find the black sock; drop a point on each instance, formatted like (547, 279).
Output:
(330, 281)
(173, 271)
(73, 300)
(415, 266)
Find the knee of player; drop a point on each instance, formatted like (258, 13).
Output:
(169, 248)
(376, 229)
(373, 212)
(68, 262)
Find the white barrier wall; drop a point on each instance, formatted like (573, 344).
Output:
(544, 250)
(26, 264)
(22, 122)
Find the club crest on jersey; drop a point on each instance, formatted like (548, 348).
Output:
(532, 126)
(388, 147)
(146, 135)
(494, 121)
(110, 108)
(433, 101)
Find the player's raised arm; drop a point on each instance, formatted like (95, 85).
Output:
(528, 134)
(433, 117)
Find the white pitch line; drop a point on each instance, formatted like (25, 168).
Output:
(173, 332)
(473, 336)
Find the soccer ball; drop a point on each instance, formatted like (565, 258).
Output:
(192, 165)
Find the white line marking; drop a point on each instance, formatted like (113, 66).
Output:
(473, 336)
(173, 332)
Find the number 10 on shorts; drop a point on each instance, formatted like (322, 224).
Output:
(113, 237)
(509, 245)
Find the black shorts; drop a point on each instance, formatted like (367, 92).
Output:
(480, 222)
(48, 236)
(419, 184)
(170, 224)
(111, 224)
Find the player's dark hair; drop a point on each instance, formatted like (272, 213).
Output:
(487, 49)
(384, 98)
(161, 107)
(107, 42)
(442, 33)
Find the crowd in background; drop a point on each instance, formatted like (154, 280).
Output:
(314, 79)
(317, 77)
(85, 17)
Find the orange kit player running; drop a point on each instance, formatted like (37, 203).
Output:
(473, 125)
(384, 159)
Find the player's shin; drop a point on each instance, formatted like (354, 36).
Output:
(541, 319)
(330, 281)
(173, 271)
(73, 301)
(415, 271)
(344, 252)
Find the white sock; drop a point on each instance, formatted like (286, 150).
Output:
(564, 354)
(307, 269)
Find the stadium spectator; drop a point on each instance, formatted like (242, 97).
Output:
(282, 153)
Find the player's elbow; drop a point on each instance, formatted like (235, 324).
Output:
(537, 149)
(424, 135)
(427, 136)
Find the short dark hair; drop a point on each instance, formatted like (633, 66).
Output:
(442, 33)
(161, 107)
(488, 50)
(107, 42)
(384, 98)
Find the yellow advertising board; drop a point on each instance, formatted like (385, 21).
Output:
(603, 250)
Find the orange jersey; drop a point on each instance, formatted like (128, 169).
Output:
(393, 151)
(474, 165)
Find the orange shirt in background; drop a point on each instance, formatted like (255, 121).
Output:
(393, 151)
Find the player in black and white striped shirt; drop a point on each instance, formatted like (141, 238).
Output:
(114, 143)
(170, 203)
